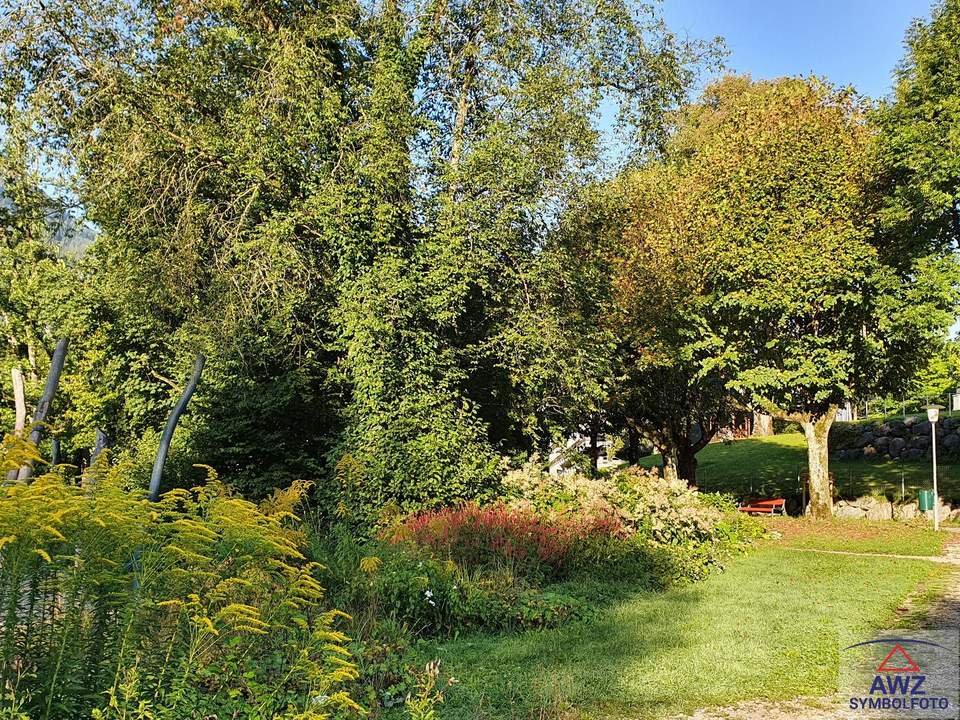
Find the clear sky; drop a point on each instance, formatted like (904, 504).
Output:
(851, 42)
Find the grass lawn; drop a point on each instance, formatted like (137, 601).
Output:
(768, 627)
(771, 465)
(858, 536)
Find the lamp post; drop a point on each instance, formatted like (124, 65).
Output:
(933, 414)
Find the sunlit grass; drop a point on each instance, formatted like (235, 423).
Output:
(772, 466)
(770, 626)
(859, 536)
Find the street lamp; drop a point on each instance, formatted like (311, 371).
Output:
(933, 414)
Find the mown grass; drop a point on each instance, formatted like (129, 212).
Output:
(772, 465)
(770, 626)
(858, 536)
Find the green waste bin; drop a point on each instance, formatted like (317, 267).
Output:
(926, 500)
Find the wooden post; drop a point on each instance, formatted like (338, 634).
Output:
(20, 405)
(46, 400)
(157, 475)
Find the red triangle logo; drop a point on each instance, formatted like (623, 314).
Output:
(907, 663)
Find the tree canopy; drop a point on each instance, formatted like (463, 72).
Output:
(341, 205)
(749, 264)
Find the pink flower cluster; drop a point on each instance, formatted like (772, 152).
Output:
(474, 535)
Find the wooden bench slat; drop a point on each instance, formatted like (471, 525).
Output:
(771, 506)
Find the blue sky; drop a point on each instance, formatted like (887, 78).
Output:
(851, 42)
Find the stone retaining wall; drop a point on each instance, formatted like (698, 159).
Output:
(874, 508)
(905, 439)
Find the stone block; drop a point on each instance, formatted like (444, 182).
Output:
(896, 446)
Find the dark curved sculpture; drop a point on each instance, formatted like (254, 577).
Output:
(46, 400)
(157, 475)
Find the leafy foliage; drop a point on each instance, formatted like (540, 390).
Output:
(748, 257)
(330, 203)
(641, 502)
(919, 140)
(476, 537)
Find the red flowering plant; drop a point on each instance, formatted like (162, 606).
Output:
(496, 535)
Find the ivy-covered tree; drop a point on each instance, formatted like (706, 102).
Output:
(919, 141)
(341, 205)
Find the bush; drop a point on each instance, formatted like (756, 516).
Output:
(530, 488)
(199, 605)
(782, 427)
(697, 529)
(668, 512)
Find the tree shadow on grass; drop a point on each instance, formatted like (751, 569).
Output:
(563, 672)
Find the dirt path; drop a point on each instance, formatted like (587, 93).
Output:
(944, 612)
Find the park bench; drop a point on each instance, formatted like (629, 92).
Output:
(774, 506)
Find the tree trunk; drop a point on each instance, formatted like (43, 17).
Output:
(762, 424)
(460, 117)
(817, 430)
(633, 446)
(101, 443)
(687, 464)
(54, 452)
(157, 475)
(19, 400)
(20, 405)
(46, 400)
(670, 470)
(594, 444)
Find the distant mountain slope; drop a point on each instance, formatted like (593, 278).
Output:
(70, 234)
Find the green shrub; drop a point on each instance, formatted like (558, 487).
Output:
(697, 529)
(530, 488)
(666, 511)
(403, 584)
(783, 427)
(199, 605)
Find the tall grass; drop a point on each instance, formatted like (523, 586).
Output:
(199, 605)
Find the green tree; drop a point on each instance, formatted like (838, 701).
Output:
(919, 143)
(343, 206)
(203, 141)
(810, 306)
(940, 374)
(750, 260)
(645, 238)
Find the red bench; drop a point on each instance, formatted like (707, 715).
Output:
(776, 506)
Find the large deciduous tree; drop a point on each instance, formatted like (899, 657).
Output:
(810, 306)
(649, 235)
(749, 263)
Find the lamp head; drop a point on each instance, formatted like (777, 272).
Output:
(933, 412)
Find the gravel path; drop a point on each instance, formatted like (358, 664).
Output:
(944, 612)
